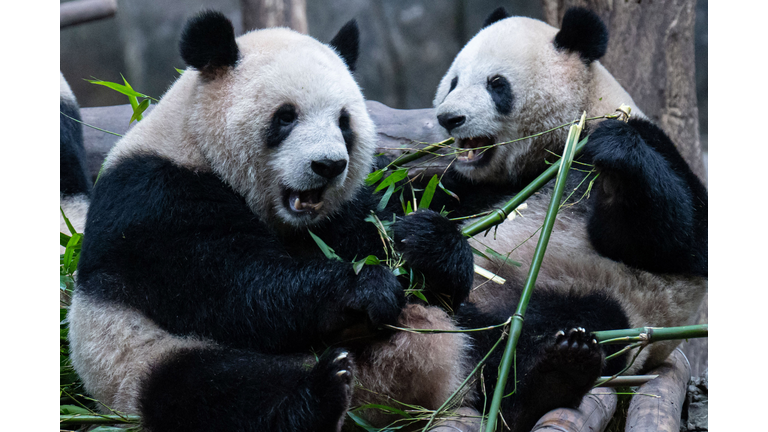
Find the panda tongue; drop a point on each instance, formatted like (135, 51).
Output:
(302, 201)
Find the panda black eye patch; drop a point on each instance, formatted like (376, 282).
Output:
(283, 121)
(454, 82)
(501, 93)
(346, 129)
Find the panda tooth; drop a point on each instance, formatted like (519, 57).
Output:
(318, 206)
(297, 204)
(470, 155)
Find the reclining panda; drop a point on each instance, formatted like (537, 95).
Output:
(632, 253)
(201, 295)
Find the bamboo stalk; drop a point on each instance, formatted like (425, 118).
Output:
(651, 334)
(76, 419)
(500, 215)
(517, 319)
(593, 414)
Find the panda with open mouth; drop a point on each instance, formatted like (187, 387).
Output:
(631, 252)
(203, 302)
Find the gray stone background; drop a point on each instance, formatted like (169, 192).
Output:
(406, 46)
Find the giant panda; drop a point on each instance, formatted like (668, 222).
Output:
(202, 300)
(74, 184)
(631, 253)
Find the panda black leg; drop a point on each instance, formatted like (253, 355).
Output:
(225, 389)
(647, 209)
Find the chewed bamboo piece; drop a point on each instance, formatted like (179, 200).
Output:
(593, 414)
(658, 404)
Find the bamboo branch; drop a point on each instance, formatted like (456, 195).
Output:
(538, 257)
(651, 334)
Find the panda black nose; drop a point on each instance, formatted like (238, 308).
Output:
(450, 121)
(329, 168)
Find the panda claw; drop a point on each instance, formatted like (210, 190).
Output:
(342, 372)
(559, 333)
(341, 356)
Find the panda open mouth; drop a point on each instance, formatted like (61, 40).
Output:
(475, 150)
(308, 202)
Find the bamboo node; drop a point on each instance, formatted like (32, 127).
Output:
(624, 112)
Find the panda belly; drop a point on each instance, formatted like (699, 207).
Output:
(572, 267)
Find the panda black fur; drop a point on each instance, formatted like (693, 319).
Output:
(74, 185)
(632, 254)
(200, 292)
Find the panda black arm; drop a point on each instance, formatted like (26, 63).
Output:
(650, 210)
(185, 250)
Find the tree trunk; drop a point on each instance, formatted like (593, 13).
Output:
(259, 14)
(650, 52)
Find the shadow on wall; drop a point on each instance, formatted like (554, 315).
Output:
(406, 46)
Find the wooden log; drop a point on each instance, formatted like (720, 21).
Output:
(83, 11)
(258, 14)
(657, 405)
(593, 414)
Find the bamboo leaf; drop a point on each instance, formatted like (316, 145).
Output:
(126, 90)
(362, 422)
(137, 111)
(393, 178)
(385, 198)
(327, 250)
(505, 258)
(420, 295)
(63, 239)
(369, 260)
(66, 220)
(375, 176)
(408, 208)
(180, 71)
(72, 409)
(429, 192)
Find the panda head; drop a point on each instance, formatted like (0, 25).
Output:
(278, 116)
(516, 77)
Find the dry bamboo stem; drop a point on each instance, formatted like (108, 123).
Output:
(594, 413)
(658, 403)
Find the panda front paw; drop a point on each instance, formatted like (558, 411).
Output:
(435, 246)
(616, 146)
(379, 294)
(332, 384)
(574, 354)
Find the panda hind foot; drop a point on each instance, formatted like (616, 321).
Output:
(575, 356)
(332, 383)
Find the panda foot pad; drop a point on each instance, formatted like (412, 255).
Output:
(574, 352)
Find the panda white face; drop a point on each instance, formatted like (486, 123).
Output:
(508, 82)
(286, 127)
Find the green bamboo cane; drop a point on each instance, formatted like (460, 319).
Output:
(517, 319)
(651, 334)
(76, 419)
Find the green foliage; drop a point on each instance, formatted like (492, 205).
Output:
(133, 96)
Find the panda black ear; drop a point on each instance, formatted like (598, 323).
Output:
(583, 32)
(497, 15)
(208, 42)
(347, 43)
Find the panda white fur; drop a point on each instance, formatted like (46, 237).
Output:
(200, 293)
(74, 185)
(632, 254)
